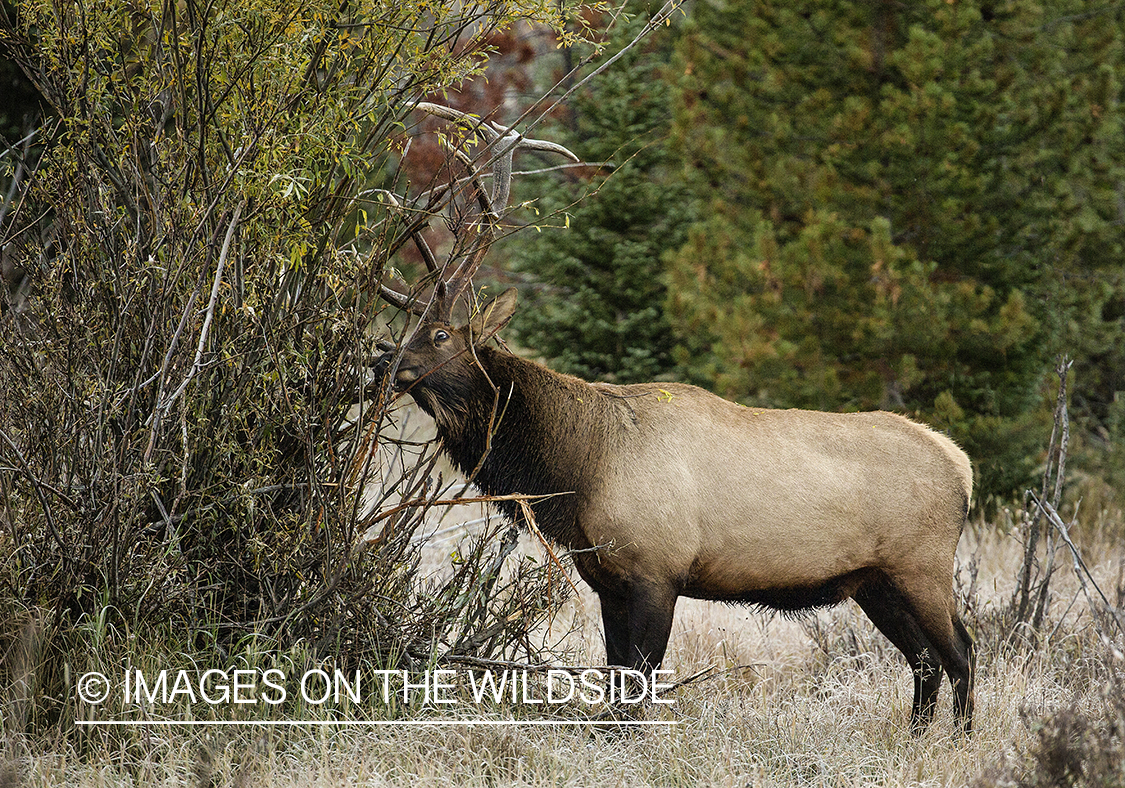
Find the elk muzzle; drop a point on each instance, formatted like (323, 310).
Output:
(403, 376)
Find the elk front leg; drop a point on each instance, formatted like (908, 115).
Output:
(615, 621)
(650, 608)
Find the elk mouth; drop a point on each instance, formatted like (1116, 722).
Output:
(405, 377)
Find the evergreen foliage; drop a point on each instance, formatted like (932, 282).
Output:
(596, 304)
(910, 207)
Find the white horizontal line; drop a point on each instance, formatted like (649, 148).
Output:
(396, 723)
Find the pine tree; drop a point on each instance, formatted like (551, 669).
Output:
(887, 194)
(594, 307)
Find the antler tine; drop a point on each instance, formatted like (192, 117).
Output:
(487, 130)
(503, 142)
(415, 233)
(408, 303)
(404, 302)
(459, 281)
(509, 141)
(442, 111)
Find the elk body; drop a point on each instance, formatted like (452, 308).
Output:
(668, 491)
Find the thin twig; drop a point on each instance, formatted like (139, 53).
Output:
(529, 518)
(454, 502)
(197, 364)
(1080, 568)
(39, 486)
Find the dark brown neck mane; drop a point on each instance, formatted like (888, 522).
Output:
(545, 430)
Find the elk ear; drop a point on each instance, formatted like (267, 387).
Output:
(493, 316)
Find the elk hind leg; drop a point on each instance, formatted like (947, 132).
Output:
(931, 604)
(944, 629)
(963, 689)
(891, 614)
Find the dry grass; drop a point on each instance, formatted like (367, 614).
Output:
(824, 701)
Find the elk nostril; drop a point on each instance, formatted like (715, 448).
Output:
(405, 377)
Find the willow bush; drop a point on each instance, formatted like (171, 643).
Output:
(188, 431)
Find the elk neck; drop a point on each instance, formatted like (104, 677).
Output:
(549, 433)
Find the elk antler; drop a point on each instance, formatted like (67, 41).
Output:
(498, 152)
(408, 302)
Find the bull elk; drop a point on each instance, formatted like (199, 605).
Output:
(666, 490)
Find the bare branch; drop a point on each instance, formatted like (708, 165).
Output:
(1080, 568)
(163, 405)
(39, 486)
(1056, 461)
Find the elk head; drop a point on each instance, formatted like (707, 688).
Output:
(441, 357)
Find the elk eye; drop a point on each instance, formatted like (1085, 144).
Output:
(440, 336)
